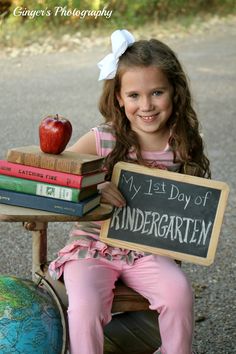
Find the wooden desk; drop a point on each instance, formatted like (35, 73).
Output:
(36, 221)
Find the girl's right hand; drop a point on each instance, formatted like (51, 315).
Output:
(111, 194)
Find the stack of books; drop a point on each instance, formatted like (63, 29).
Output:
(64, 183)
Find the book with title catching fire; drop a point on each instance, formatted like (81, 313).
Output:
(50, 176)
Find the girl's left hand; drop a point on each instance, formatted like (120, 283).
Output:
(111, 194)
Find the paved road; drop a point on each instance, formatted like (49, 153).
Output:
(66, 83)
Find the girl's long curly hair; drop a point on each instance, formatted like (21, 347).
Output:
(185, 140)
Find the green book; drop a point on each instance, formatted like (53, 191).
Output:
(46, 190)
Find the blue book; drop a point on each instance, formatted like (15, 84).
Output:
(49, 204)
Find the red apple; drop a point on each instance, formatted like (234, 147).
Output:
(54, 134)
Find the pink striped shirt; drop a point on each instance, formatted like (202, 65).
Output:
(84, 239)
(105, 143)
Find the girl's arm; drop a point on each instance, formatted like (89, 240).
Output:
(110, 193)
(85, 145)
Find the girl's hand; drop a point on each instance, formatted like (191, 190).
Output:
(111, 194)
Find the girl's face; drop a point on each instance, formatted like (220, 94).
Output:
(146, 96)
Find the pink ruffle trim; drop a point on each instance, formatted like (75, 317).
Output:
(83, 248)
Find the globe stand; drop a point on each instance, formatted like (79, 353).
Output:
(42, 282)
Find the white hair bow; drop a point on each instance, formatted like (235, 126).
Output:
(120, 40)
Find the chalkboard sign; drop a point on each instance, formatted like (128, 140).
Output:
(167, 213)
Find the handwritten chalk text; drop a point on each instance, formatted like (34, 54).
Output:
(150, 187)
(175, 228)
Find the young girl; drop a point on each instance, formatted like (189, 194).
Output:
(149, 120)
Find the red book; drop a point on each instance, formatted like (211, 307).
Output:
(50, 176)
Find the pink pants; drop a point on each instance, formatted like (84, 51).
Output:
(89, 284)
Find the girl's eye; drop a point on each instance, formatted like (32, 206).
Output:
(133, 95)
(157, 93)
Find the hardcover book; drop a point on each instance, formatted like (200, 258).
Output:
(46, 190)
(49, 204)
(49, 176)
(67, 161)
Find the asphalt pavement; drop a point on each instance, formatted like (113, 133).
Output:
(66, 83)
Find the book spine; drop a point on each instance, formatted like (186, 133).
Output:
(46, 161)
(41, 175)
(36, 188)
(41, 203)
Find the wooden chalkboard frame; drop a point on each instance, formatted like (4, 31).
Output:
(171, 176)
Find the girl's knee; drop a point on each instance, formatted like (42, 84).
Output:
(174, 291)
(180, 293)
(184, 289)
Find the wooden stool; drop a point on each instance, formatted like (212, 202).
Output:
(126, 299)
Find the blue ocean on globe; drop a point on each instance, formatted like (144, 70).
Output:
(30, 321)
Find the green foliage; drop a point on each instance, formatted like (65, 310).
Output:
(123, 13)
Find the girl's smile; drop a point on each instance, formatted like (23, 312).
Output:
(149, 119)
(146, 96)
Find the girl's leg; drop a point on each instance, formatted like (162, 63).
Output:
(163, 283)
(89, 284)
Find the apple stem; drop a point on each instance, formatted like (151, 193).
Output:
(57, 116)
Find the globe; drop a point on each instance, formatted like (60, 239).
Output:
(30, 320)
